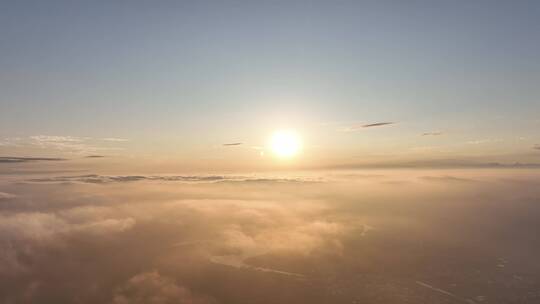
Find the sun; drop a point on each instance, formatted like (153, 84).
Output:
(285, 143)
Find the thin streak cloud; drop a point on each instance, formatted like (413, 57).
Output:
(5, 195)
(8, 159)
(104, 179)
(358, 127)
(233, 144)
(377, 124)
(437, 133)
(72, 144)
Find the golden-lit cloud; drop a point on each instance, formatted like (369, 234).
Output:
(159, 237)
(152, 287)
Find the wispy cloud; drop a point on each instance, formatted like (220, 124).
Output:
(483, 141)
(65, 144)
(13, 141)
(436, 133)
(536, 147)
(5, 196)
(9, 159)
(377, 124)
(94, 156)
(104, 179)
(58, 139)
(70, 144)
(435, 163)
(447, 178)
(357, 127)
(233, 144)
(8, 143)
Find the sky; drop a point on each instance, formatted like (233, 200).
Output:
(167, 83)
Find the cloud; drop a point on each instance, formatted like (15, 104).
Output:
(436, 133)
(103, 179)
(56, 139)
(377, 124)
(89, 178)
(66, 144)
(9, 142)
(536, 147)
(447, 178)
(233, 144)
(22, 233)
(41, 225)
(94, 156)
(484, 141)
(238, 239)
(5, 196)
(293, 235)
(433, 164)
(70, 144)
(152, 287)
(357, 127)
(9, 159)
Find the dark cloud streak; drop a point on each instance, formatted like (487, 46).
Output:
(357, 127)
(9, 159)
(233, 144)
(432, 133)
(104, 179)
(377, 124)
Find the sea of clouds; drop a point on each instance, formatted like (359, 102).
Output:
(319, 237)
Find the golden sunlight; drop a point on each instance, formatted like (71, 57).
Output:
(285, 143)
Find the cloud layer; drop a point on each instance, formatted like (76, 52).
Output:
(350, 236)
(103, 179)
(151, 287)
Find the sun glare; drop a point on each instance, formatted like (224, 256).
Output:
(285, 143)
